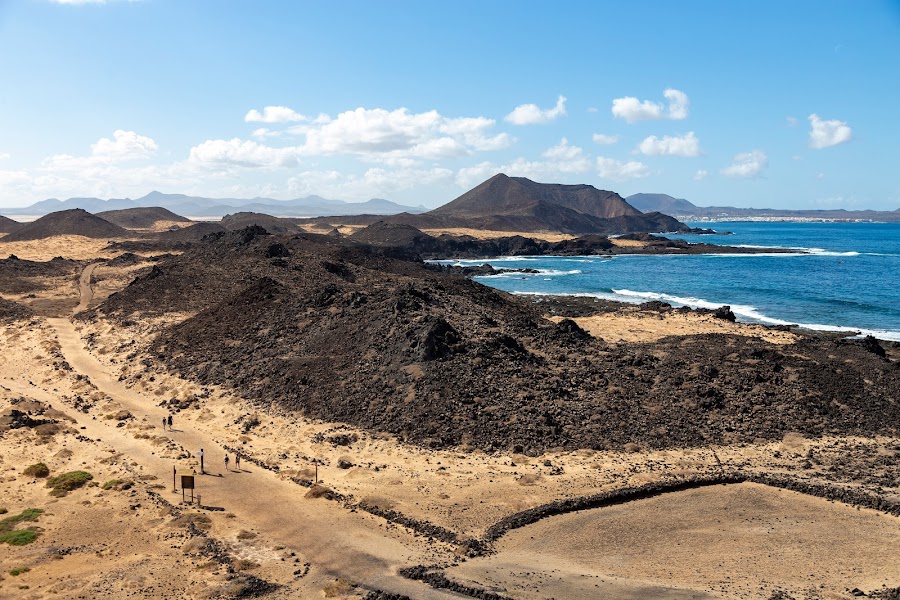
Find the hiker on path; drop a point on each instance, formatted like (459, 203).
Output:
(164, 423)
(226, 462)
(170, 422)
(237, 461)
(200, 454)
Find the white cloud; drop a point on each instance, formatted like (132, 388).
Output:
(467, 177)
(125, 146)
(609, 168)
(238, 153)
(10, 178)
(4, 155)
(561, 160)
(747, 164)
(398, 135)
(686, 145)
(563, 151)
(374, 182)
(273, 114)
(532, 114)
(791, 121)
(602, 138)
(700, 175)
(823, 134)
(632, 109)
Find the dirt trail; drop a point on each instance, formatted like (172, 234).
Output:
(85, 290)
(352, 546)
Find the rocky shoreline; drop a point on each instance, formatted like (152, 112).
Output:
(417, 243)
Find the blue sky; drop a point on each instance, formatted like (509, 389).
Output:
(765, 104)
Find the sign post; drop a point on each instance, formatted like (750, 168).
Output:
(187, 483)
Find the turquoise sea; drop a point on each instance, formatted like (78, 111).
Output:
(843, 277)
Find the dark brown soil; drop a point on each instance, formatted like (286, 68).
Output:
(368, 337)
(269, 223)
(18, 276)
(7, 225)
(11, 312)
(66, 222)
(193, 233)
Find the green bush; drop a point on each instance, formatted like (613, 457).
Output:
(18, 571)
(29, 514)
(18, 537)
(117, 484)
(65, 483)
(37, 470)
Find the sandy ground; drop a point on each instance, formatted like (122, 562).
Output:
(635, 325)
(482, 234)
(699, 540)
(265, 517)
(68, 246)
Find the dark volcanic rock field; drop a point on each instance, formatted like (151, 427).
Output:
(373, 338)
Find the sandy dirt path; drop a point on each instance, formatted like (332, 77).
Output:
(357, 547)
(85, 289)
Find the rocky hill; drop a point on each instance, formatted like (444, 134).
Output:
(351, 333)
(505, 203)
(268, 222)
(662, 203)
(66, 222)
(191, 233)
(517, 204)
(7, 225)
(683, 209)
(141, 218)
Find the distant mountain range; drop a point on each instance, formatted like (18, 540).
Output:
(687, 211)
(196, 206)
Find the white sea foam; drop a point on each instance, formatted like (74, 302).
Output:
(539, 272)
(800, 251)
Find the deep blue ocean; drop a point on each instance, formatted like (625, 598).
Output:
(844, 277)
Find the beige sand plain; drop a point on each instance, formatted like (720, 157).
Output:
(735, 541)
(636, 325)
(144, 547)
(68, 246)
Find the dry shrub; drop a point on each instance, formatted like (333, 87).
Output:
(338, 587)
(793, 441)
(379, 502)
(317, 491)
(632, 447)
(47, 429)
(529, 479)
(37, 470)
(202, 522)
(243, 534)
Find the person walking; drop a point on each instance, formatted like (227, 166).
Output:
(164, 423)
(226, 462)
(200, 454)
(237, 461)
(170, 422)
